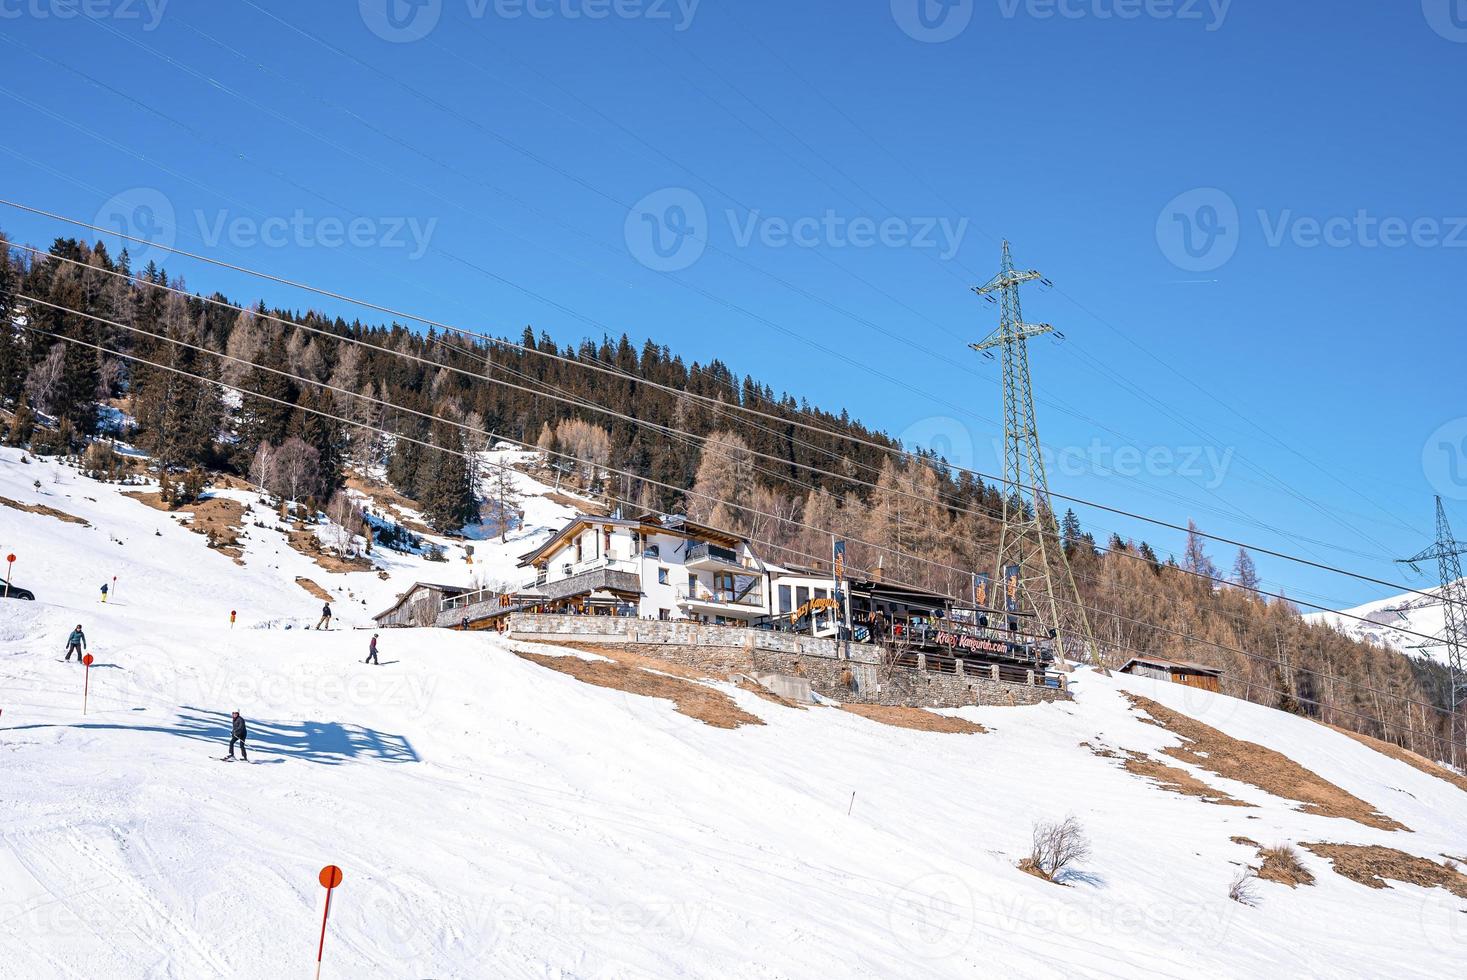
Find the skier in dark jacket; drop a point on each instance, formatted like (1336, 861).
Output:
(372, 650)
(325, 620)
(76, 641)
(237, 733)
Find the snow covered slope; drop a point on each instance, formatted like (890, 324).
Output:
(1387, 618)
(495, 818)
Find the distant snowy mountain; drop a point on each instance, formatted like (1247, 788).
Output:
(1392, 622)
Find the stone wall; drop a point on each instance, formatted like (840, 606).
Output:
(858, 679)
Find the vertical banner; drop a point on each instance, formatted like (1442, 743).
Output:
(981, 585)
(838, 569)
(1011, 588)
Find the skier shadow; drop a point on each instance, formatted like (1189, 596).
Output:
(325, 743)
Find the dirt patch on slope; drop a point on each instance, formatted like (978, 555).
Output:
(1270, 771)
(1280, 864)
(1410, 758)
(385, 498)
(217, 518)
(697, 701)
(1166, 777)
(43, 510)
(306, 542)
(917, 719)
(1371, 864)
(314, 589)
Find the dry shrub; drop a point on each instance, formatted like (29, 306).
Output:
(1054, 847)
(1242, 889)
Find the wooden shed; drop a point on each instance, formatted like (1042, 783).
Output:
(1176, 671)
(419, 605)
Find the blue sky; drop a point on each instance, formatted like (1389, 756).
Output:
(1252, 212)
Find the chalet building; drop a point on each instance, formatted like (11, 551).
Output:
(1176, 671)
(654, 566)
(419, 605)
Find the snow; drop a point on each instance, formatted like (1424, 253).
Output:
(494, 818)
(1386, 618)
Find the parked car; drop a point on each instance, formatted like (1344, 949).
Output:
(15, 591)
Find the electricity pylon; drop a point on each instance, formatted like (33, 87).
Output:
(1447, 552)
(1029, 538)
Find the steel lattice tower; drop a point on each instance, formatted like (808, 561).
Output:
(1029, 538)
(1447, 553)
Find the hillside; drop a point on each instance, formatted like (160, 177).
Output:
(498, 817)
(1385, 619)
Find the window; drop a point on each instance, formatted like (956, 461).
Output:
(802, 595)
(653, 551)
(661, 576)
(579, 538)
(692, 583)
(822, 593)
(606, 542)
(664, 614)
(785, 603)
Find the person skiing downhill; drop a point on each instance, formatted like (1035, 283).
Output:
(372, 650)
(77, 641)
(238, 733)
(325, 620)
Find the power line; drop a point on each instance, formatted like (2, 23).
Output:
(851, 438)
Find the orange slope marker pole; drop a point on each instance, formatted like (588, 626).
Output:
(86, 680)
(329, 877)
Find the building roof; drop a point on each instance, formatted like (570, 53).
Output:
(1173, 664)
(403, 595)
(650, 523)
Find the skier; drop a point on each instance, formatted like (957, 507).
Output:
(104, 591)
(325, 620)
(76, 641)
(237, 733)
(372, 651)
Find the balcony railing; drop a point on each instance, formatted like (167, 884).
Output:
(703, 551)
(754, 598)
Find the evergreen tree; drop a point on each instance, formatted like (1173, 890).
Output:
(1070, 532)
(1245, 573)
(447, 494)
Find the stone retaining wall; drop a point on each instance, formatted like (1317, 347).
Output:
(857, 679)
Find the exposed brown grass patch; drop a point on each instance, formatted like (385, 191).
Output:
(1371, 864)
(217, 518)
(697, 701)
(1282, 864)
(1410, 758)
(917, 719)
(306, 542)
(314, 589)
(1270, 771)
(1166, 777)
(45, 511)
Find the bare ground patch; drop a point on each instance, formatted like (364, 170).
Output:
(917, 719)
(306, 543)
(1371, 864)
(1270, 771)
(1410, 758)
(314, 589)
(43, 510)
(1280, 863)
(386, 498)
(1166, 777)
(217, 518)
(694, 700)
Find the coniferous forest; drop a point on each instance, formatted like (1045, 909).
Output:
(204, 383)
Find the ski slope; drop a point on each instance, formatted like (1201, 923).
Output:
(495, 818)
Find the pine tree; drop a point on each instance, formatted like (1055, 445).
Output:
(1070, 532)
(1245, 573)
(447, 495)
